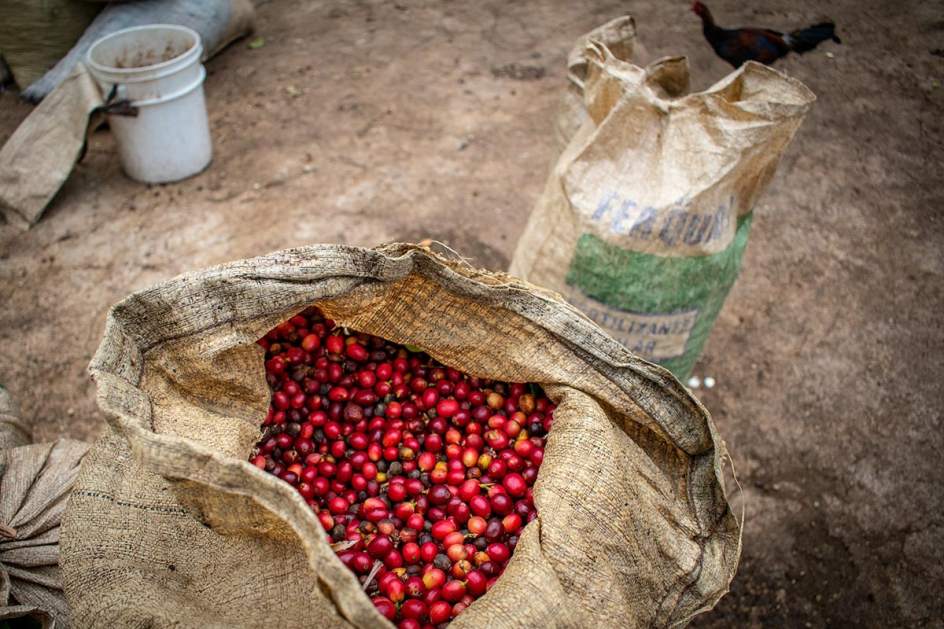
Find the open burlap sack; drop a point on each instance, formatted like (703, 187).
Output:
(170, 525)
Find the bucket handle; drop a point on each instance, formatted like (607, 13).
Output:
(115, 105)
(119, 90)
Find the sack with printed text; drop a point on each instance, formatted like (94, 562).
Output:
(645, 216)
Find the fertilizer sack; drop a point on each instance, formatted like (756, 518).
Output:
(646, 214)
(170, 525)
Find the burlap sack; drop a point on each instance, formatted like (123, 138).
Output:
(13, 431)
(38, 158)
(34, 484)
(645, 216)
(218, 22)
(35, 34)
(170, 525)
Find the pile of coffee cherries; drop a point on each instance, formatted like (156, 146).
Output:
(421, 475)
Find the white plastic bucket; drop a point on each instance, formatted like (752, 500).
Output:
(157, 67)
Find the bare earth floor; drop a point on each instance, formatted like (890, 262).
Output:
(371, 121)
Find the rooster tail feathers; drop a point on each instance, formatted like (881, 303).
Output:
(807, 39)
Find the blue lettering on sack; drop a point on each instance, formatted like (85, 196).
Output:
(677, 225)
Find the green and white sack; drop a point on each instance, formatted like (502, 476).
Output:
(645, 216)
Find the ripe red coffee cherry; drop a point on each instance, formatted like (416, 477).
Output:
(512, 523)
(477, 525)
(415, 522)
(358, 352)
(396, 492)
(403, 510)
(456, 537)
(499, 553)
(468, 490)
(476, 583)
(396, 590)
(439, 494)
(514, 484)
(361, 563)
(447, 408)
(411, 553)
(440, 612)
(414, 608)
(393, 560)
(428, 552)
(501, 504)
(338, 505)
(334, 344)
(379, 547)
(453, 590)
(426, 461)
(415, 587)
(442, 528)
(480, 506)
(385, 606)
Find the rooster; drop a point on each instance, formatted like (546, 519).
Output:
(739, 45)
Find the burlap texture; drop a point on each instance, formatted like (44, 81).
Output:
(34, 483)
(170, 525)
(35, 34)
(13, 431)
(38, 158)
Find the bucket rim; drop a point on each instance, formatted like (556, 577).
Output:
(195, 50)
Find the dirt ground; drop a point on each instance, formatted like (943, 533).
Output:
(371, 121)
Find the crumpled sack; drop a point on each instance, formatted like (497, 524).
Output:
(41, 154)
(34, 486)
(645, 216)
(13, 432)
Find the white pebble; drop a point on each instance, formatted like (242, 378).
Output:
(709, 382)
(694, 382)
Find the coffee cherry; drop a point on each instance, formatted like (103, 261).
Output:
(453, 590)
(385, 606)
(379, 547)
(439, 612)
(414, 609)
(434, 578)
(498, 553)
